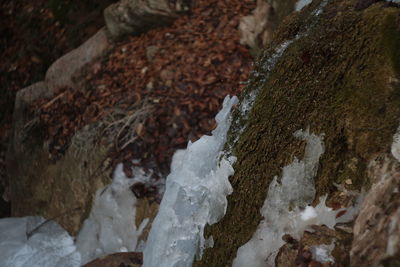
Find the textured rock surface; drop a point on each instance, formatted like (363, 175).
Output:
(64, 188)
(377, 229)
(41, 186)
(340, 79)
(136, 16)
(256, 30)
(62, 72)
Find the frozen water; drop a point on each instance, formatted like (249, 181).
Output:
(50, 245)
(301, 4)
(286, 209)
(322, 253)
(110, 228)
(320, 215)
(111, 225)
(195, 195)
(281, 210)
(309, 213)
(395, 149)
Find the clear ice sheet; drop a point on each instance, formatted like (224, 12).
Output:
(301, 4)
(48, 246)
(195, 195)
(110, 226)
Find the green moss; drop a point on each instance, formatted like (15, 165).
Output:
(334, 81)
(391, 40)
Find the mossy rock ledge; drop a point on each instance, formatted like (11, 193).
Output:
(340, 80)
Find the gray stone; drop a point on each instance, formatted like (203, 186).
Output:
(136, 16)
(257, 28)
(62, 72)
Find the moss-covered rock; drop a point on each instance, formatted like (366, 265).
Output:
(340, 78)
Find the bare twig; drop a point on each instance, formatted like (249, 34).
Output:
(34, 230)
(123, 125)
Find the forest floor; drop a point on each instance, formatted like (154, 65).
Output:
(33, 35)
(177, 75)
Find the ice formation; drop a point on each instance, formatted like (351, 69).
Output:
(110, 228)
(282, 210)
(287, 209)
(111, 224)
(49, 246)
(195, 195)
(322, 253)
(301, 4)
(395, 149)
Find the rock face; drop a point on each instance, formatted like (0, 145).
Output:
(40, 186)
(63, 189)
(136, 16)
(256, 29)
(376, 230)
(62, 71)
(339, 77)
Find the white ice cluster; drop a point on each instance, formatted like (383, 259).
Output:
(395, 149)
(110, 226)
(286, 209)
(322, 253)
(48, 246)
(195, 195)
(300, 4)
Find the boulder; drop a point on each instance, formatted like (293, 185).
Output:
(63, 71)
(334, 70)
(256, 29)
(60, 189)
(137, 16)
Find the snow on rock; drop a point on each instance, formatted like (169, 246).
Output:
(195, 195)
(395, 149)
(111, 225)
(287, 209)
(282, 208)
(301, 4)
(322, 253)
(110, 228)
(47, 246)
(320, 215)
